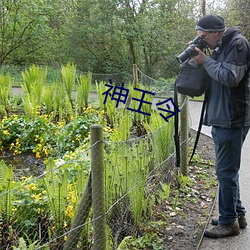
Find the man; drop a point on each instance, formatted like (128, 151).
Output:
(228, 112)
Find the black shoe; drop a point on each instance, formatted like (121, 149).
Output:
(221, 231)
(241, 219)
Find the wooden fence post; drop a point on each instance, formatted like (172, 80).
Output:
(80, 218)
(135, 75)
(98, 194)
(184, 135)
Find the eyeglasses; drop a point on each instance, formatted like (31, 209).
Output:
(203, 36)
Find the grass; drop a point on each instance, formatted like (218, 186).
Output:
(197, 98)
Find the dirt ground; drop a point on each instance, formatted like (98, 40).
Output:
(187, 223)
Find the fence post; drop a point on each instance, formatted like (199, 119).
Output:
(184, 135)
(80, 218)
(135, 75)
(98, 195)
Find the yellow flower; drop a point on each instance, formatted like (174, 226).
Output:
(37, 196)
(38, 155)
(31, 187)
(16, 152)
(69, 211)
(6, 132)
(14, 209)
(73, 199)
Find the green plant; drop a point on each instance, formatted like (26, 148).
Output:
(68, 74)
(56, 187)
(6, 184)
(164, 191)
(30, 207)
(126, 172)
(147, 241)
(100, 89)
(43, 137)
(160, 133)
(5, 90)
(34, 81)
(184, 181)
(83, 90)
(122, 124)
(48, 98)
(23, 246)
(145, 109)
(176, 199)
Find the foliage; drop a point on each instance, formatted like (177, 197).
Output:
(106, 36)
(23, 25)
(147, 241)
(5, 89)
(161, 136)
(34, 81)
(22, 245)
(30, 204)
(6, 184)
(51, 200)
(43, 137)
(83, 90)
(46, 205)
(68, 73)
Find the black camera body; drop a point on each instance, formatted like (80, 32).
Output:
(190, 51)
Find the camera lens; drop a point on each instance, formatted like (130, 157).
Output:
(190, 51)
(187, 53)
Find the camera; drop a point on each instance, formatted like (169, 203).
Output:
(190, 51)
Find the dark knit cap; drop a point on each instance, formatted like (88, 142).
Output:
(211, 23)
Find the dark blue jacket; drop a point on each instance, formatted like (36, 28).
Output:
(228, 103)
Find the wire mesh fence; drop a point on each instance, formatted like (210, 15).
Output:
(55, 210)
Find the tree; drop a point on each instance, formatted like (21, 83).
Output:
(21, 21)
(237, 13)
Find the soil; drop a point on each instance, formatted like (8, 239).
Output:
(186, 223)
(25, 164)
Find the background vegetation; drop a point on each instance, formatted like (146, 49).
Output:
(104, 36)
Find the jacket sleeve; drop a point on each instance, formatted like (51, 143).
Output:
(232, 69)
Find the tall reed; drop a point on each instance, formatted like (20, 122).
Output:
(33, 86)
(6, 184)
(48, 97)
(68, 74)
(5, 90)
(161, 134)
(83, 90)
(126, 172)
(56, 184)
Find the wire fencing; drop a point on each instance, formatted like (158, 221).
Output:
(94, 200)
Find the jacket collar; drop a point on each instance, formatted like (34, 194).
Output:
(231, 32)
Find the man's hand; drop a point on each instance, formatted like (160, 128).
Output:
(200, 58)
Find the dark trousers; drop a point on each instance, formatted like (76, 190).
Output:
(228, 145)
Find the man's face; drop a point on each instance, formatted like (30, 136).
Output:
(211, 38)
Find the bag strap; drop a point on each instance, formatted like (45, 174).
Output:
(200, 126)
(176, 126)
(201, 117)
